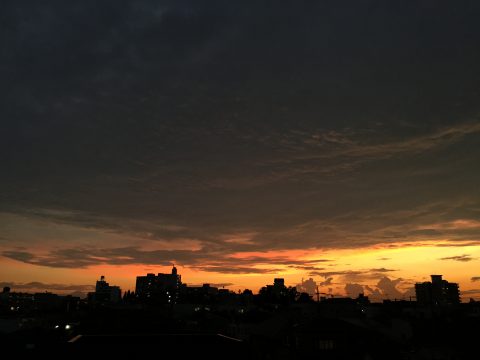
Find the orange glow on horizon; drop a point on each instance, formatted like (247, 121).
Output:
(411, 262)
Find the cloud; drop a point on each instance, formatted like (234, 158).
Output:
(475, 278)
(315, 273)
(278, 260)
(460, 224)
(349, 276)
(353, 290)
(458, 244)
(463, 258)
(356, 280)
(208, 259)
(343, 273)
(389, 289)
(39, 286)
(327, 282)
(23, 256)
(440, 137)
(201, 153)
(237, 269)
(218, 285)
(308, 155)
(374, 293)
(211, 258)
(309, 286)
(76, 258)
(470, 292)
(381, 270)
(312, 269)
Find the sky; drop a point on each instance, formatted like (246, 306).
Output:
(240, 141)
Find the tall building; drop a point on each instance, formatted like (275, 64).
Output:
(104, 293)
(437, 292)
(162, 288)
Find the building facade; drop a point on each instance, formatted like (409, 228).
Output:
(161, 288)
(437, 292)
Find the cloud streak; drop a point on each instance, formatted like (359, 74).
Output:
(39, 286)
(462, 258)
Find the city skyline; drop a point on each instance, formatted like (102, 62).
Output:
(385, 289)
(167, 289)
(334, 140)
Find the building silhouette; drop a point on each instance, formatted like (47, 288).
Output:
(162, 288)
(437, 292)
(278, 289)
(278, 292)
(199, 294)
(104, 293)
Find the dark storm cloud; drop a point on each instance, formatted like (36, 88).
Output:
(84, 257)
(243, 127)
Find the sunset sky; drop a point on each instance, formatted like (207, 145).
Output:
(337, 140)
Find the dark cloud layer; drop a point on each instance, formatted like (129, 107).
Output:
(240, 126)
(210, 260)
(82, 257)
